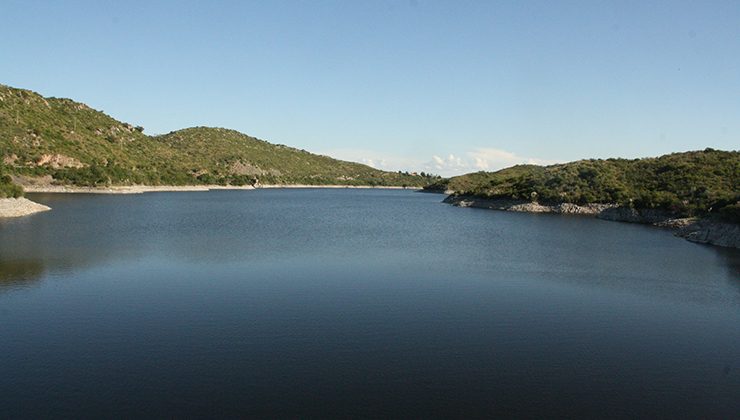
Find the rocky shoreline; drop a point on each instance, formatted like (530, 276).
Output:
(705, 231)
(712, 232)
(17, 207)
(524, 206)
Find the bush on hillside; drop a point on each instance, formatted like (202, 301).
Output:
(8, 189)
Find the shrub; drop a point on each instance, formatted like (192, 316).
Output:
(8, 189)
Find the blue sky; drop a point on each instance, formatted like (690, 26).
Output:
(446, 87)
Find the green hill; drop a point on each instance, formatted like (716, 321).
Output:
(74, 144)
(689, 184)
(238, 158)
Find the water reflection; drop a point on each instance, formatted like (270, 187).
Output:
(730, 258)
(17, 274)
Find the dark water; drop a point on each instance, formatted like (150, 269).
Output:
(325, 303)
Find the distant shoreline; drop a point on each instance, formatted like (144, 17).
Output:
(140, 189)
(12, 207)
(704, 231)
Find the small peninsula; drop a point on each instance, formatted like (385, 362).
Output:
(697, 192)
(12, 202)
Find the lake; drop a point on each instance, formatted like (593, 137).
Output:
(357, 303)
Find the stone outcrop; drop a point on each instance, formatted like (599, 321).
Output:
(243, 168)
(10, 160)
(58, 161)
(676, 223)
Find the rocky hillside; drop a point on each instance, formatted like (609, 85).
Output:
(699, 183)
(65, 142)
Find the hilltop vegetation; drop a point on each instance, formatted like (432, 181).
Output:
(688, 184)
(73, 144)
(238, 159)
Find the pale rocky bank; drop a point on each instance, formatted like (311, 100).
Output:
(133, 189)
(140, 189)
(705, 231)
(17, 207)
(711, 232)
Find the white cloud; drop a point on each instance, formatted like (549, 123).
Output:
(384, 161)
(447, 164)
(481, 159)
(489, 159)
(486, 159)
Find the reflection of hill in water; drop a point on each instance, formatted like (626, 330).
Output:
(20, 273)
(731, 258)
(733, 262)
(17, 272)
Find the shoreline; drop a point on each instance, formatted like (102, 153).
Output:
(140, 189)
(705, 231)
(18, 207)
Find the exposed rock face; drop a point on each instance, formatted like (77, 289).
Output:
(703, 231)
(59, 161)
(712, 232)
(676, 223)
(17, 207)
(10, 159)
(241, 168)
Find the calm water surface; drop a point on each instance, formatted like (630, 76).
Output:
(364, 303)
